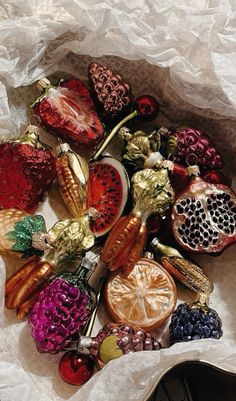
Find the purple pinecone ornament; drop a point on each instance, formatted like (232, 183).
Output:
(63, 309)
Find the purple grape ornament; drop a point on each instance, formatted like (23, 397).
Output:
(63, 309)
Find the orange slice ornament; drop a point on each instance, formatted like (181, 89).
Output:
(145, 297)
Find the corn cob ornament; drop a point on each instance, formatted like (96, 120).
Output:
(73, 174)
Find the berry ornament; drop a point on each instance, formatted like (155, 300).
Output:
(115, 340)
(27, 170)
(194, 322)
(68, 110)
(76, 369)
(204, 216)
(112, 94)
(63, 309)
(192, 143)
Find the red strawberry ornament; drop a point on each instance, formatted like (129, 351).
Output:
(27, 170)
(68, 110)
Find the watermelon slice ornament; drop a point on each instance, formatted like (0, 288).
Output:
(108, 193)
(100, 188)
(68, 110)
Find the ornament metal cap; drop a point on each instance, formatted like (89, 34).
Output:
(43, 83)
(193, 170)
(163, 131)
(62, 148)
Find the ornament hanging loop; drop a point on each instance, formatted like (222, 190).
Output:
(193, 169)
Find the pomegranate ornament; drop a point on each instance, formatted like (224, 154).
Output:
(27, 170)
(146, 108)
(185, 142)
(204, 216)
(68, 110)
(112, 94)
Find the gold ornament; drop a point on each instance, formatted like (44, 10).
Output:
(73, 174)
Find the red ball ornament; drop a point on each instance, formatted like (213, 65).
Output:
(76, 369)
(147, 107)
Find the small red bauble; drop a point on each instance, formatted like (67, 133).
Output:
(76, 369)
(147, 107)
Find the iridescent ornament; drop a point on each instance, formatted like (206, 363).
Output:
(68, 109)
(27, 170)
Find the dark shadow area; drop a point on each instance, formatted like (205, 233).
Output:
(196, 381)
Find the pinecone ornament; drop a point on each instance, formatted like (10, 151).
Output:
(27, 170)
(62, 311)
(193, 322)
(113, 95)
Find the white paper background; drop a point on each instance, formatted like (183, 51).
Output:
(189, 53)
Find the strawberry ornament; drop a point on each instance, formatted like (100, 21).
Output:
(27, 170)
(68, 110)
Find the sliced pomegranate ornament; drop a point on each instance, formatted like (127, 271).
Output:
(68, 109)
(204, 216)
(108, 193)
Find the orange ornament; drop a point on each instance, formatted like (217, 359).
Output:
(144, 298)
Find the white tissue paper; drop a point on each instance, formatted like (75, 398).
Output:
(182, 52)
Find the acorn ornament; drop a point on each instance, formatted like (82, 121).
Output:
(27, 171)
